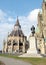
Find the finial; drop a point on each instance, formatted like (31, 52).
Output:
(17, 17)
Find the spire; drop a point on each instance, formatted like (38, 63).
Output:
(17, 22)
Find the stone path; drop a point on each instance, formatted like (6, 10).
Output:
(10, 61)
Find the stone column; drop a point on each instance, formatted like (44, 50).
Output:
(24, 45)
(18, 43)
(43, 47)
(6, 48)
(11, 46)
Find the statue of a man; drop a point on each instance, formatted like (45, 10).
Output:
(33, 30)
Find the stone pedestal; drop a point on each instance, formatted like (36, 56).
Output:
(32, 45)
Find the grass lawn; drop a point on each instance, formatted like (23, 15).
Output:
(33, 61)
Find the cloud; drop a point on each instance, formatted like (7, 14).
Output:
(10, 19)
(29, 20)
(33, 15)
(5, 18)
(2, 13)
(4, 29)
(7, 23)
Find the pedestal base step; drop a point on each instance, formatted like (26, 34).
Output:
(30, 55)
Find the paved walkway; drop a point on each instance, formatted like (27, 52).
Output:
(10, 61)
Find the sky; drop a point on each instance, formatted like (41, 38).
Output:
(26, 10)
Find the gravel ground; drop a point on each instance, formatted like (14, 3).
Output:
(10, 61)
(1, 63)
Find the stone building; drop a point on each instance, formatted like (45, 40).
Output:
(16, 41)
(37, 41)
(41, 34)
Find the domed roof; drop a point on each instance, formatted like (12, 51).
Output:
(16, 33)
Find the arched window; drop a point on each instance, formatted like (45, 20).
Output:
(20, 43)
(14, 43)
(9, 42)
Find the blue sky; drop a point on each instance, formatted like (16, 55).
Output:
(20, 7)
(26, 10)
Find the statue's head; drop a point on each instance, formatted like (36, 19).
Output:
(33, 30)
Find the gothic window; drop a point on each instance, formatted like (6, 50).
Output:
(14, 43)
(20, 43)
(9, 42)
(45, 40)
(45, 6)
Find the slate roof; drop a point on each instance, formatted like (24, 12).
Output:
(17, 33)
